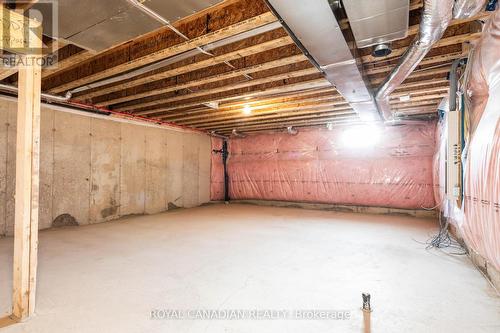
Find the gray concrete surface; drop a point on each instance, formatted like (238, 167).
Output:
(108, 277)
(98, 170)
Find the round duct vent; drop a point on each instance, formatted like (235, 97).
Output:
(381, 50)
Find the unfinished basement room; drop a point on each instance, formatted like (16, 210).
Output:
(249, 166)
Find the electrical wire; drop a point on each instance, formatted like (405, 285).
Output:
(443, 241)
(431, 208)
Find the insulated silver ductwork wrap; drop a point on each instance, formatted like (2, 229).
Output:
(436, 17)
(377, 22)
(313, 25)
(467, 8)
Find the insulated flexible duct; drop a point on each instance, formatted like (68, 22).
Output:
(467, 8)
(436, 17)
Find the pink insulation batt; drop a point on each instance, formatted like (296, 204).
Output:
(217, 172)
(481, 226)
(317, 165)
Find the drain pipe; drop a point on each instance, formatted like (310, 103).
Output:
(367, 309)
(47, 97)
(436, 17)
(219, 136)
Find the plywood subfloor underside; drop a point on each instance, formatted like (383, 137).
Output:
(108, 277)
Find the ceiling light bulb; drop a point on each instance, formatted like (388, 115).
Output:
(359, 137)
(247, 110)
(404, 98)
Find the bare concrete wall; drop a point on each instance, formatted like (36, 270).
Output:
(98, 170)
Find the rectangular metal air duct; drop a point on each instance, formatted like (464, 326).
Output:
(314, 25)
(377, 21)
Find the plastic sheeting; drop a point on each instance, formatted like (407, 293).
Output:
(439, 169)
(447, 207)
(317, 165)
(481, 226)
(217, 172)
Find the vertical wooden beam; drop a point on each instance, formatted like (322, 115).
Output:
(27, 182)
(27, 166)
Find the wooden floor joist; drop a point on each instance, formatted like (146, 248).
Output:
(220, 59)
(284, 124)
(307, 124)
(249, 83)
(415, 111)
(425, 61)
(262, 121)
(294, 87)
(208, 38)
(67, 63)
(226, 113)
(210, 79)
(289, 111)
(220, 77)
(205, 114)
(269, 113)
(263, 71)
(297, 97)
(278, 106)
(412, 30)
(434, 101)
(224, 110)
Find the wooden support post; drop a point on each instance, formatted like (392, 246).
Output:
(24, 36)
(27, 179)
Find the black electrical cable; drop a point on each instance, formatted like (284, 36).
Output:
(443, 240)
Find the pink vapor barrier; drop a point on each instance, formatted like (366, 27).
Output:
(335, 167)
(481, 225)
(217, 172)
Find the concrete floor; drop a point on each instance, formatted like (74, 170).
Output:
(108, 277)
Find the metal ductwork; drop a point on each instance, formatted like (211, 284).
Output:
(436, 17)
(47, 97)
(314, 27)
(467, 8)
(377, 22)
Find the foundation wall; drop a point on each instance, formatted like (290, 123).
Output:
(319, 166)
(98, 170)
